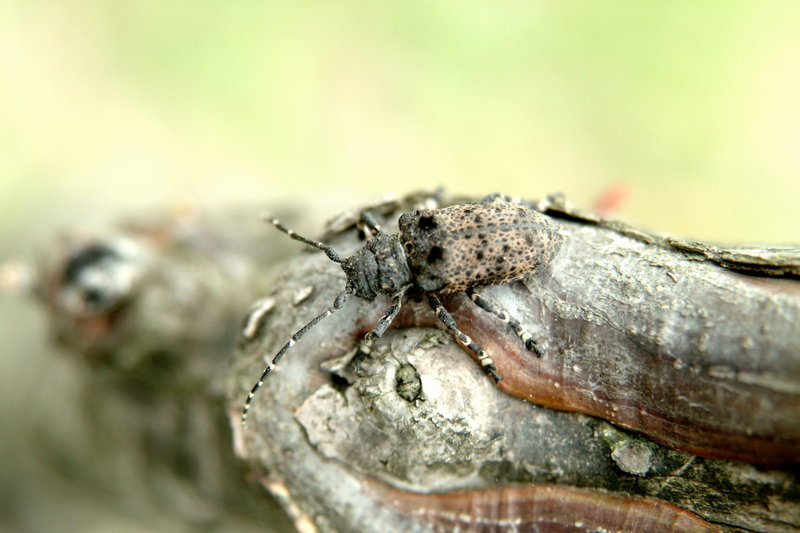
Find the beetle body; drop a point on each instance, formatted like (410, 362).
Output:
(474, 245)
(452, 249)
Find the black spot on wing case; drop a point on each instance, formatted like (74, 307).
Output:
(475, 245)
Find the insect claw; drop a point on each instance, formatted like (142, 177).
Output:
(531, 345)
(492, 371)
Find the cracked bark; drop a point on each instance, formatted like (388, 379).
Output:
(641, 332)
(667, 395)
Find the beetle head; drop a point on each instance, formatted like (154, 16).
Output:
(379, 267)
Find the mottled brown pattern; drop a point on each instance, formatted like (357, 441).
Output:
(475, 245)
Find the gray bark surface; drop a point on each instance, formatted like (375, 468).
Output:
(665, 361)
(641, 334)
(148, 336)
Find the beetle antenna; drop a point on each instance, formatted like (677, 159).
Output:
(337, 304)
(329, 251)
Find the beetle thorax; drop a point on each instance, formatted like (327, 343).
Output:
(379, 267)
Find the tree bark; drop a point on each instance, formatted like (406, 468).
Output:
(666, 399)
(641, 332)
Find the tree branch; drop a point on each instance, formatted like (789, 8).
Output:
(666, 397)
(636, 331)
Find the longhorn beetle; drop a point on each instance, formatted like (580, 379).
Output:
(439, 251)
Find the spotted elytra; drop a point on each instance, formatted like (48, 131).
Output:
(459, 248)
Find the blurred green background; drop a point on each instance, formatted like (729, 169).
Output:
(691, 106)
(108, 108)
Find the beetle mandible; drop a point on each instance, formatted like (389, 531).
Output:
(439, 251)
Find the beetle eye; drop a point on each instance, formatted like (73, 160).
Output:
(427, 222)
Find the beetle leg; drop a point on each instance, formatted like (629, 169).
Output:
(365, 347)
(363, 351)
(368, 220)
(447, 319)
(388, 318)
(503, 315)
